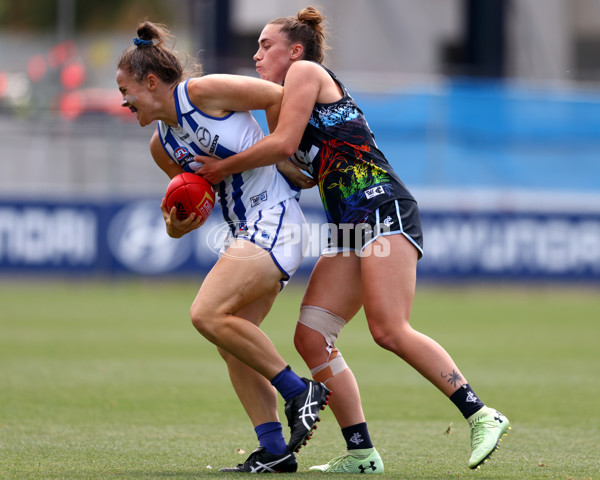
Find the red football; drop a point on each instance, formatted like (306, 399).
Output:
(190, 193)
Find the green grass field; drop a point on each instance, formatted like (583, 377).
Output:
(111, 381)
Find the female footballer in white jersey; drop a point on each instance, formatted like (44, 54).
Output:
(209, 116)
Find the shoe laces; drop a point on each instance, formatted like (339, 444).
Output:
(479, 430)
(345, 459)
(251, 457)
(338, 460)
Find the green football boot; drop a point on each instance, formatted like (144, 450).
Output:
(355, 461)
(488, 426)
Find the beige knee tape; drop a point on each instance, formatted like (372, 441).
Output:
(334, 365)
(330, 326)
(323, 321)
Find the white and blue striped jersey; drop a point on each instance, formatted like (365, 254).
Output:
(242, 194)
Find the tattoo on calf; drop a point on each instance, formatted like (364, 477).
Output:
(454, 378)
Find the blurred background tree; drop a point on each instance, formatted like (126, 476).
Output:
(45, 15)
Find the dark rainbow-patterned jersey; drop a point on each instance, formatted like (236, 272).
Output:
(338, 149)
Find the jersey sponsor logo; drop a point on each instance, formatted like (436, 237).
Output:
(203, 136)
(258, 199)
(213, 146)
(187, 161)
(180, 153)
(375, 191)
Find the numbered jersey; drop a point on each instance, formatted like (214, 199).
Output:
(338, 149)
(242, 194)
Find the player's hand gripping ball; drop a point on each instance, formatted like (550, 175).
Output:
(190, 193)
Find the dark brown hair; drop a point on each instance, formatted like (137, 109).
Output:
(308, 29)
(152, 53)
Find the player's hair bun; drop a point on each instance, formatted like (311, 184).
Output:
(151, 31)
(311, 16)
(306, 28)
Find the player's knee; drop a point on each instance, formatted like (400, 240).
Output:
(308, 342)
(317, 332)
(390, 339)
(202, 319)
(302, 342)
(317, 328)
(383, 340)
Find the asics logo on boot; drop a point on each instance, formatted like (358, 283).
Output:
(267, 467)
(305, 410)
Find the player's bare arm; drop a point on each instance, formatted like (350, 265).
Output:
(220, 94)
(299, 95)
(162, 159)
